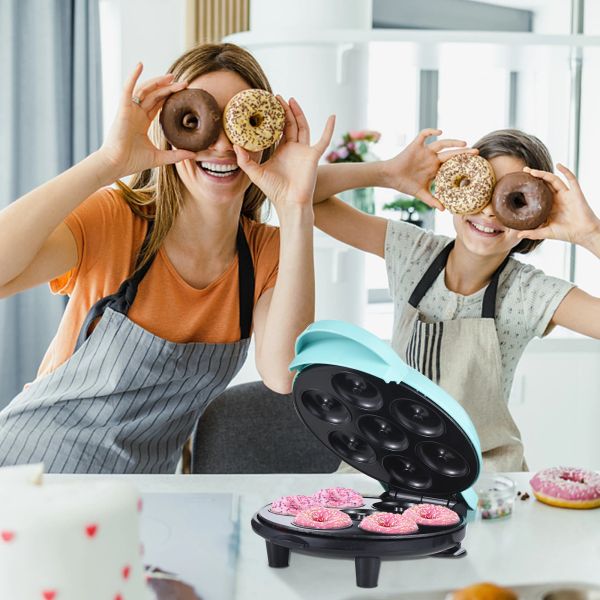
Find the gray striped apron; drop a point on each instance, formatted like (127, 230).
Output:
(126, 401)
(463, 357)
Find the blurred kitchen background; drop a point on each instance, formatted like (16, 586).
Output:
(394, 66)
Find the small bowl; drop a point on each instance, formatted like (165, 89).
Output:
(496, 495)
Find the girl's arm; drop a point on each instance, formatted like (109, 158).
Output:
(410, 172)
(571, 220)
(288, 180)
(35, 244)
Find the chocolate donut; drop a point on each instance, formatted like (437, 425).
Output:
(464, 184)
(190, 119)
(254, 119)
(522, 201)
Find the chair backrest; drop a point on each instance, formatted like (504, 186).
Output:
(251, 429)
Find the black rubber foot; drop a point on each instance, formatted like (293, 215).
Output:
(454, 552)
(367, 571)
(279, 557)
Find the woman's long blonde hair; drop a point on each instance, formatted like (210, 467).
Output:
(156, 194)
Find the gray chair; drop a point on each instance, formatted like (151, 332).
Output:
(251, 429)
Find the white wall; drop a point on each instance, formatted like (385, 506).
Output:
(147, 31)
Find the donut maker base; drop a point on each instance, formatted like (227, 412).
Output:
(366, 548)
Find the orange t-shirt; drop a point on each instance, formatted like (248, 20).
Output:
(108, 235)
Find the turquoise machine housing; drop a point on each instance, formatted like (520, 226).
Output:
(344, 345)
(392, 423)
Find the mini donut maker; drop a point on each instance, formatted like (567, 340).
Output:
(390, 422)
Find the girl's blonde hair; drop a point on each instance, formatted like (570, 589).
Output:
(156, 194)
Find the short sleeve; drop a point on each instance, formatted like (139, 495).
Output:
(409, 249)
(541, 294)
(264, 247)
(90, 223)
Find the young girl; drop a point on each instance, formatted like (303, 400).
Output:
(465, 309)
(167, 278)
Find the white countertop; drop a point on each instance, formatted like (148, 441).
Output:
(536, 544)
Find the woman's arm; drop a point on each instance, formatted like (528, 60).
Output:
(410, 172)
(35, 245)
(288, 179)
(571, 220)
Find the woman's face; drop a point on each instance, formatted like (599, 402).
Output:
(214, 175)
(482, 233)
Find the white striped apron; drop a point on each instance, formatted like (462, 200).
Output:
(463, 357)
(126, 400)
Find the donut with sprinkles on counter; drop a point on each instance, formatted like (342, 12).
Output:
(567, 487)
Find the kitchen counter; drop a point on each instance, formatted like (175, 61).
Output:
(221, 555)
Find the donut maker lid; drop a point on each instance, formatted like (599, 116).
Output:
(381, 416)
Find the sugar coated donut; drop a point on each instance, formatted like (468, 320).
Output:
(292, 505)
(322, 518)
(190, 119)
(522, 201)
(389, 524)
(464, 184)
(338, 497)
(254, 119)
(432, 515)
(483, 591)
(567, 487)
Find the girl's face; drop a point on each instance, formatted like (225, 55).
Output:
(482, 233)
(214, 175)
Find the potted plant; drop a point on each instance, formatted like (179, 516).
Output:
(412, 210)
(354, 147)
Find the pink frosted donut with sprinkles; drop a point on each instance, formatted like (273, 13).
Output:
(432, 515)
(389, 524)
(322, 518)
(567, 487)
(292, 505)
(338, 497)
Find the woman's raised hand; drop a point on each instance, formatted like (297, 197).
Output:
(413, 170)
(288, 177)
(127, 148)
(571, 218)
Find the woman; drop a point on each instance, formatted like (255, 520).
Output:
(167, 277)
(465, 309)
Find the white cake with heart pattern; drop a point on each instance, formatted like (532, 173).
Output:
(65, 540)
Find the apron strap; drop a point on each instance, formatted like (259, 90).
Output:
(246, 283)
(435, 268)
(488, 309)
(123, 298)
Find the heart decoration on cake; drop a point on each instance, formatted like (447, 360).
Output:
(49, 594)
(91, 530)
(126, 571)
(7, 536)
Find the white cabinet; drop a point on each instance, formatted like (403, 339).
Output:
(555, 401)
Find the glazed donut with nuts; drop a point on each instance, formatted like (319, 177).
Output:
(465, 184)
(253, 119)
